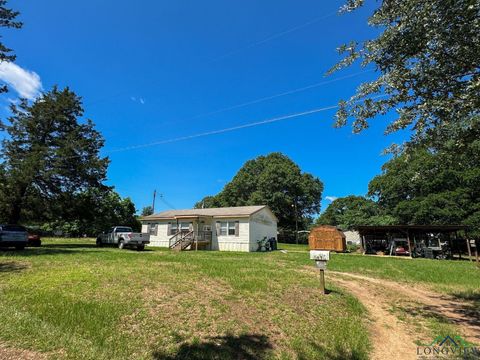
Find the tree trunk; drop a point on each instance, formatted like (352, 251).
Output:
(14, 216)
(16, 206)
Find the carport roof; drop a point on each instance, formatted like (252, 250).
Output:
(423, 228)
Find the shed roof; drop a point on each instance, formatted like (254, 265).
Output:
(241, 211)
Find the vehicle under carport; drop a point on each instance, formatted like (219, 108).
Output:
(429, 241)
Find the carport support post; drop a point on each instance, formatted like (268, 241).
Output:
(469, 249)
(409, 245)
(476, 254)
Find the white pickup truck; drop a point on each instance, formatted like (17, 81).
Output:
(123, 236)
(14, 236)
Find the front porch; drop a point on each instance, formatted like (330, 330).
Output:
(191, 233)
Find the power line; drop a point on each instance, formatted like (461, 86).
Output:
(271, 97)
(225, 130)
(162, 199)
(233, 128)
(273, 37)
(238, 50)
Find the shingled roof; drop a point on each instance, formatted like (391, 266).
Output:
(224, 211)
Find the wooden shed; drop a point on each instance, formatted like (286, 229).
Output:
(327, 237)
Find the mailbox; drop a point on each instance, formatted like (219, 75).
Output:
(319, 255)
(321, 258)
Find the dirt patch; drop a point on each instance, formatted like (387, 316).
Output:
(463, 314)
(9, 353)
(393, 338)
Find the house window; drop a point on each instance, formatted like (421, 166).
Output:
(227, 228)
(173, 228)
(152, 229)
(184, 226)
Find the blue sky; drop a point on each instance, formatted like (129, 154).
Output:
(150, 71)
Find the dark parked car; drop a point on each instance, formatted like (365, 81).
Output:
(13, 236)
(34, 239)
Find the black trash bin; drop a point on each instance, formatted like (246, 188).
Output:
(273, 243)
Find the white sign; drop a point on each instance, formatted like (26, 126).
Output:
(472, 243)
(319, 255)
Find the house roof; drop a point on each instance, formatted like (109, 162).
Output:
(237, 211)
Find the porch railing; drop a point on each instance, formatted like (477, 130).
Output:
(204, 236)
(183, 239)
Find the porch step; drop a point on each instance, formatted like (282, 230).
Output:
(182, 245)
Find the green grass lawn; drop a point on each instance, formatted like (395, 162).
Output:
(456, 277)
(73, 300)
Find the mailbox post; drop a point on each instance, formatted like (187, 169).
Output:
(321, 257)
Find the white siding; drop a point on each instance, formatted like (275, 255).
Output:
(231, 242)
(162, 238)
(262, 224)
(251, 229)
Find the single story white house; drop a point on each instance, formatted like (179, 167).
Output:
(225, 229)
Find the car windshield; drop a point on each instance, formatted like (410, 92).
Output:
(123, 229)
(13, 228)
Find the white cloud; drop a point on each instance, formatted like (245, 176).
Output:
(331, 198)
(26, 83)
(140, 99)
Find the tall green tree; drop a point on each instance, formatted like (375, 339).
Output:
(147, 210)
(435, 184)
(351, 211)
(93, 211)
(427, 54)
(7, 20)
(274, 180)
(49, 155)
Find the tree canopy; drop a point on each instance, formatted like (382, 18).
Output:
(7, 20)
(350, 211)
(49, 155)
(439, 184)
(276, 181)
(428, 56)
(147, 210)
(51, 171)
(93, 211)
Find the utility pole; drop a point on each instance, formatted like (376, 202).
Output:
(153, 203)
(296, 220)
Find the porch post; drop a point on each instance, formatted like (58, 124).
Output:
(196, 237)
